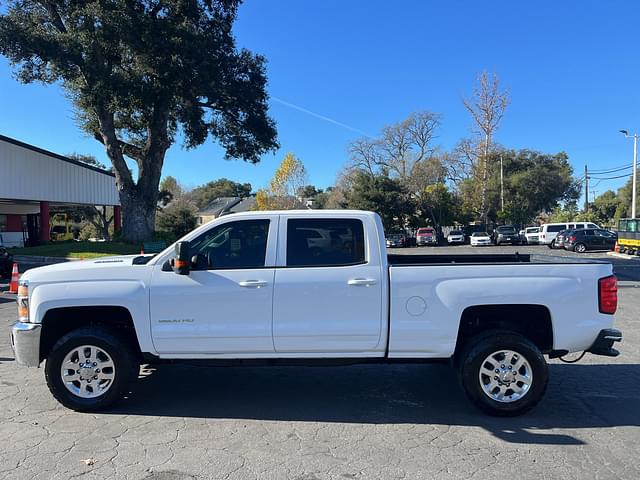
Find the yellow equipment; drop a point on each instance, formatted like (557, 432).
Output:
(62, 229)
(629, 235)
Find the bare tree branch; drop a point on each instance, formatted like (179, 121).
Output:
(487, 107)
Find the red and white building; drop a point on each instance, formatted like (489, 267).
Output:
(33, 180)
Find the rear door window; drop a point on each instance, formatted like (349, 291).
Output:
(342, 242)
(556, 228)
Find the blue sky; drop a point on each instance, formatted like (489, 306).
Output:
(572, 69)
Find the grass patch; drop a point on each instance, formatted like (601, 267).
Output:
(78, 249)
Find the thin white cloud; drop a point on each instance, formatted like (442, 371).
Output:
(317, 115)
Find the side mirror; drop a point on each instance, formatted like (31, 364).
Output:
(182, 260)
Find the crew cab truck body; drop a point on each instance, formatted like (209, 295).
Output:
(253, 287)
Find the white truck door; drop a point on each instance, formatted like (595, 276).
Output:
(328, 296)
(224, 305)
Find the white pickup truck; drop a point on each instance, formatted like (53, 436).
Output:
(310, 287)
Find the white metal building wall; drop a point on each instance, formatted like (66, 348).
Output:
(26, 174)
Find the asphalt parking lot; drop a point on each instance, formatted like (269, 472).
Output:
(359, 422)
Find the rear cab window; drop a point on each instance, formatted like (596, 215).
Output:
(324, 242)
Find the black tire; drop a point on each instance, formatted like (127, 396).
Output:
(472, 358)
(121, 353)
(579, 248)
(552, 245)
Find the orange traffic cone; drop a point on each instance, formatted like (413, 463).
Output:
(616, 248)
(13, 286)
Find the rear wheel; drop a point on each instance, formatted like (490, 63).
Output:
(90, 369)
(503, 373)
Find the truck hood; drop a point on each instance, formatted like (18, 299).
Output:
(107, 268)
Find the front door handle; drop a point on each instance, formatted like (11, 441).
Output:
(364, 282)
(252, 283)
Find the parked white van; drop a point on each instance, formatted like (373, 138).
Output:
(549, 231)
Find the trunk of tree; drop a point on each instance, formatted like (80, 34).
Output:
(485, 179)
(139, 199)
(139, 216)
(102, 222)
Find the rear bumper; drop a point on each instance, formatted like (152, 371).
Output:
(25, 342)
(604, 343)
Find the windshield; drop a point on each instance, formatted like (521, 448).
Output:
(506, 229)
(455, 232)
(480, 234)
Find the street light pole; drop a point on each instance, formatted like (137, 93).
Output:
(635, 170)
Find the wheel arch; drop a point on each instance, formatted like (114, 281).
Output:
(532, 321)
(57, 322)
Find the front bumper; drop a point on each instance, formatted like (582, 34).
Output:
(604, 343)
(25, 341)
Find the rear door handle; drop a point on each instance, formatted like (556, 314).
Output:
(252, 283)
(364, 282)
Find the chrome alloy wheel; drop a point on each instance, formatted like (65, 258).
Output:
(505, 376)
(87, 371)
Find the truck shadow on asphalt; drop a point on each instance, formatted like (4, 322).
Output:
(578, 397)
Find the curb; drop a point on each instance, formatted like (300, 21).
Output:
(623, 256)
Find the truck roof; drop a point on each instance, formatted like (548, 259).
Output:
(305, 212)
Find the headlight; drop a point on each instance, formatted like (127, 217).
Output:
(23, 301)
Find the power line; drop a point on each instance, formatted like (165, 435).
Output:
(612, 170)
(609, 178)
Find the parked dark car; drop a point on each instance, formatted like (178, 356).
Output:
(398, 240)
(6, 263)
(562, 235)
(590, 239)
(506, 234)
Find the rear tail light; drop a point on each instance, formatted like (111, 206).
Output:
(572, 238)
(608, 295)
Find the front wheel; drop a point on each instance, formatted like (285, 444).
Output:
(503, 373)
(90, 369)
(580, 248)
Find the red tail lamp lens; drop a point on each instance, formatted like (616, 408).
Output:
(608, 295)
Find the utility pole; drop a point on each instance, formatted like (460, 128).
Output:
(586, 189)
(635, 170)
(501, 184)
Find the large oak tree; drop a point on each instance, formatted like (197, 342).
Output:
(141, 72)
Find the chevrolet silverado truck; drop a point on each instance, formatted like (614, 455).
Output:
(310, 287)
